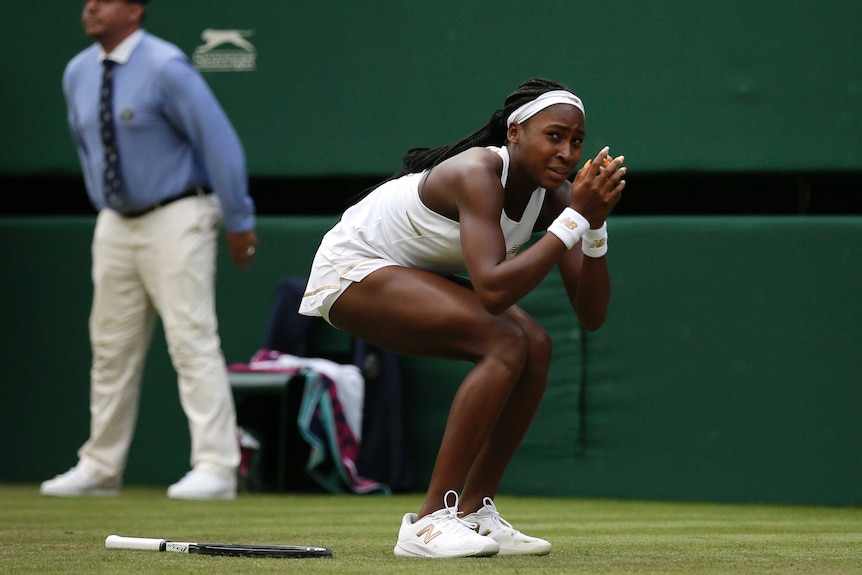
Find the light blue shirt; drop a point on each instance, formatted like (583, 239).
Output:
(172, 133)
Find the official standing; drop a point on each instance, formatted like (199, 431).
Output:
(165, 170)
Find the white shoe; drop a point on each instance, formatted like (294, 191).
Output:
(77, 482)
(197, 484)
(511, 541)
(442, 534)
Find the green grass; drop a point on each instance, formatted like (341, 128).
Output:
(58, 535)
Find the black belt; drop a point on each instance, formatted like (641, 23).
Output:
(196, 191)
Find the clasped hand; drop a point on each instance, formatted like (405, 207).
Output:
(598, 186)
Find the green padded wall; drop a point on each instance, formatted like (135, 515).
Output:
(347, 87)
(728, 369)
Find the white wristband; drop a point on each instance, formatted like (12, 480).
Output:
(595, 242)
(569, 227)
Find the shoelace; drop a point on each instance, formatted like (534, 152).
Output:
(451, 513)
(495, 516)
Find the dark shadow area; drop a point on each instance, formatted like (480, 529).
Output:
(645, 195)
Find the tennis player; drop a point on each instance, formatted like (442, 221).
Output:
(429, 263)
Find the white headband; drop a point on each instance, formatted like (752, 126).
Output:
(533, 107)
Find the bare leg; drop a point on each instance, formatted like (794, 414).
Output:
(485, 475)
(418, 313)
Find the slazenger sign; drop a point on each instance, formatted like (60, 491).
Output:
(225, 51)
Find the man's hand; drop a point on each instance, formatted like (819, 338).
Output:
(243, 247)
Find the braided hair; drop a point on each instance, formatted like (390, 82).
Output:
(491, 134)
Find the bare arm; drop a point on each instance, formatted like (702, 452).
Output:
(467, 189)
(472, 183)
(588, 287)
(594, 193)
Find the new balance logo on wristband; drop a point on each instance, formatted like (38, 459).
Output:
(569, 227)
(570, 223)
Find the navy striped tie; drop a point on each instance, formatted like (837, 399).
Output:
(112, 179)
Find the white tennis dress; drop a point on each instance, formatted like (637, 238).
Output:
(391, 226)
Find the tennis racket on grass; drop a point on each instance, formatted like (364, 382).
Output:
(223, 549)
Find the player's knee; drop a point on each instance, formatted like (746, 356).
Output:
(541, 348)
(512, 345)
(537, 363)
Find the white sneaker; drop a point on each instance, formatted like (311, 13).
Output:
(77, 482)
(197, 484)
(442, 534)
(512, 542)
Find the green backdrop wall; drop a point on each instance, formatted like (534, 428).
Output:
(728, 369)
(346, 87)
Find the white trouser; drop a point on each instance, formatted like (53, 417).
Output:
(161, 263)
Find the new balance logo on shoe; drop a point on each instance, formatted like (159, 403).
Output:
(442, 534)
(429, 534)
(485, 534)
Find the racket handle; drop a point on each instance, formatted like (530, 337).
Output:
(138, 543)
